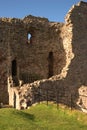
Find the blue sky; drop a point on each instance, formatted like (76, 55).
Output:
(54, 10)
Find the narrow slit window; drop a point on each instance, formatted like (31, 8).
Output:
(50, 64)
(14, 68)
(29, 38)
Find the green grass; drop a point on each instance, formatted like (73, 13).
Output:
(42, 117)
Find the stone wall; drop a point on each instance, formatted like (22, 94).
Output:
(3, 62)
(34, 49)
(39, 57)
(74, 73)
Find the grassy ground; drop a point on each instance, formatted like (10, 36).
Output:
(42, 117)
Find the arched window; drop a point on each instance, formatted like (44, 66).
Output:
(50, 64)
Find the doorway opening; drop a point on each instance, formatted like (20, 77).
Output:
(50, 64)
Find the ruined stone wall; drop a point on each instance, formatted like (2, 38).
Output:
(55, 50)
(33, 56)
(73, 78)
(79, 43)
(78, 70)
(46, 39)
(25, 59)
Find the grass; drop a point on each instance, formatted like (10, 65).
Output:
(42, 117)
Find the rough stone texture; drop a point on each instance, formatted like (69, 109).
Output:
(31, 58)
(57, 51)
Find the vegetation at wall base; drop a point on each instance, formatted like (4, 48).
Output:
(42, 117)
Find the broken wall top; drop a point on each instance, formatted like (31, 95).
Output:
(77, 13)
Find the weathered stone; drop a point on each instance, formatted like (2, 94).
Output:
(42, 60)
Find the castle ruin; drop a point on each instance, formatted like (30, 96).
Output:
(37, 56)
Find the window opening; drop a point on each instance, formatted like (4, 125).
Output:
(14, 73)
(50, 64)
(14, 68)
(29, 38)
